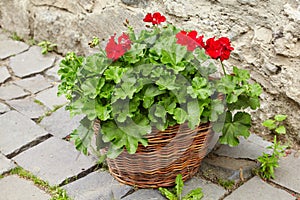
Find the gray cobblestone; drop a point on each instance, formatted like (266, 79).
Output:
(249, 148)
(34, 84)
(5, 164)
(28, 107)
(95, 186)
(149, 194)
(4, 74)
(256, 189)
(10, 48)
(227, 168)
(17, 131)
(3, 108)
(54, 160)
(52, 72)
(31, 62)
(287, 174)
(16, 188)
(60, 123)
(50, 99)
(210, 190)
(11, 91)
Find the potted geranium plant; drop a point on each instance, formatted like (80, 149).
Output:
(153, 97)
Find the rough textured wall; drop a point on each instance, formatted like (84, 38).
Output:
(265, 34)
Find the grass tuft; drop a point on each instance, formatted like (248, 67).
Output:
(56, 192)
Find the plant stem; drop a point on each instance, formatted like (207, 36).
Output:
(223, 68)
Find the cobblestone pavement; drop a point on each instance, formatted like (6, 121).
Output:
(34, 123)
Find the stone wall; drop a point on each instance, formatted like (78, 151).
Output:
(265, 34)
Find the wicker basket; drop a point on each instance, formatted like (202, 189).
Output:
(177, 150)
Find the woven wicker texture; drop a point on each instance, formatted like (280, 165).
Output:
(177, 150)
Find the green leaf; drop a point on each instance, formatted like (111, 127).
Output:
(96, 63)
(241, 74)
(200, 88)
(166, 193)
(280, 118)
(131, 144)
(226, 85)
(243, 102)
(167, 82)
(280, 130)
(269, 123)
(194, 113)
(124, 90)
(89, 108)
(103, 112)
(153, 91)
(179, 185)
(112, 152)
(233, 128)
(135, 53)
(83, 135)
(147, 102)
(180, 115)
(91, 87)
(255, 89)
(114, 73)
(195, 194)
(160, 112)
(217, 108)
(168, 102)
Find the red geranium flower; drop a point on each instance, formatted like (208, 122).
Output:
(190, 40)
(156, 18)
(218, 48)
(116, 50)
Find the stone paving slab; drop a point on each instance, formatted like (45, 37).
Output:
(3, 108)
(95, 186)
(60, 124)
(255, 189)
(52, 72)
(11, 47)
(250, 148)
(210, 190)
(50, 99)
(16, 188)
(28, 107)
(5, 164)
(226, 168)
(31, 62)
(4, 74)
(12, 91)
(287, 174)
(143, 194)
(34, 84)
(16, 131)
(54, 160)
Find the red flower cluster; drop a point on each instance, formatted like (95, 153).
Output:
(156, 18)
(218, 48)
(190, 40)
(214, 48)
(116, 50)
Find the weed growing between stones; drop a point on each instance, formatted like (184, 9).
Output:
(16, 37)
(227, 184)
(48, 113)
(270, 162)
(176, 192)
(47, 46)
(56, 192)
